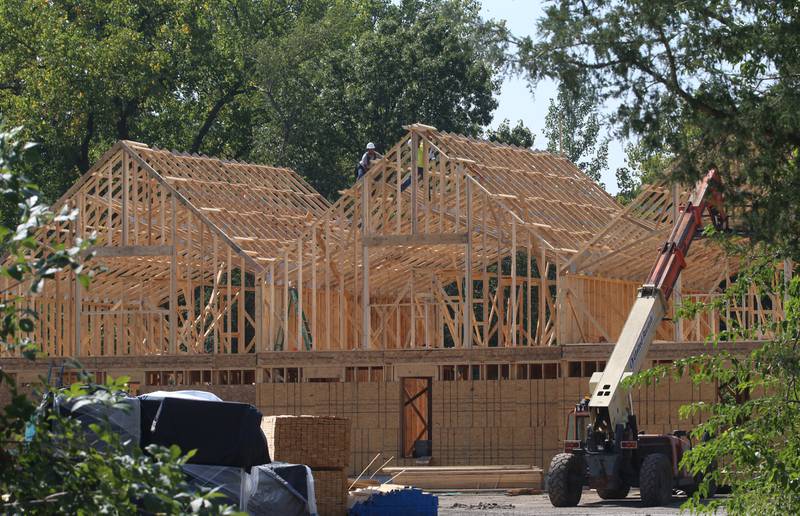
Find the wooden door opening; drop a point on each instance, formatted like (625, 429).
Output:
(415, 415)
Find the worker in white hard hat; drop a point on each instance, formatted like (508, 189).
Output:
(366, 160)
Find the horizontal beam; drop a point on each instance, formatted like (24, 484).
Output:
(435, 356)
(132, 250)
(415, 240)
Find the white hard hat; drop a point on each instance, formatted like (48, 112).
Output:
(370, 146)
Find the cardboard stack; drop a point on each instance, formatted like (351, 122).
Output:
(321, 443)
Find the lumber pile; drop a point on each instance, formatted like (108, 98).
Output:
(321, 443)
(467, 477)
(330, 488)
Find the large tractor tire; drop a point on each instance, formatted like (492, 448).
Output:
(655, 480)
(565, 481)
(614, 494)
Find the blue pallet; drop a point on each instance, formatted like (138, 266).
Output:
(403, 502)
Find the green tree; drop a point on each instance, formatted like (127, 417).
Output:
(572, 128)
(713, 83)
(709, 83)
(753, 425)
(518, 135)
(173, 73)
(358, 71)
(641, 167)
(300, 84)
(47, 465)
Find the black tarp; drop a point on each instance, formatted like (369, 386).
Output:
(223, 433)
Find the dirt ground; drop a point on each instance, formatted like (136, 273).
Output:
(499, 504)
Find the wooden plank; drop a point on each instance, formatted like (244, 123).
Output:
(414, 184)
(366, 324)
(132, 251)
(419, 239)
(466, 340)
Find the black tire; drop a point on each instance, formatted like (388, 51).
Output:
(565, 481)
(655, 480)
(614, 494)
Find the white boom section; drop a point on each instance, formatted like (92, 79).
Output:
(627, 356)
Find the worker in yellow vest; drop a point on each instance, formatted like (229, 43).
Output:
(420, 163)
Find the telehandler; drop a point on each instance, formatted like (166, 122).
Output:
(603, 447)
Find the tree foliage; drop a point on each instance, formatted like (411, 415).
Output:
(701, 84)
(641, 167)
(357, 72)
(518, 135)
(754, 426)
(706, 83)
(303, 84)
(47, 465)
(572, 128)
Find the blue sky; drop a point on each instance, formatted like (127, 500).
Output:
(517, 101)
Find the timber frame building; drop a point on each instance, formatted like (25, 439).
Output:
(463, 298)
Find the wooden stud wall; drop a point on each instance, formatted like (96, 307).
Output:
(166, 280)
(491, 246)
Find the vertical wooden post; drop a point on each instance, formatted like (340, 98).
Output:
(125, 194)
(328, 339)
(413, 311)
(560, 316)
(215, 296)
(414, 182)
(544, 291)
(110, 195)
(189, 280)
(468, 312)
(285, 318)
(501, 342)
(242, 295)
(365, 323)
(398, 189)
(272, 332)
(485, 276)
(229, 305)
(259, 286)
(78, 293)
(529, 287)
(136, 205)
(514, 282)
(313, 287)
(173, 280)
(299, 305)
(426, 183)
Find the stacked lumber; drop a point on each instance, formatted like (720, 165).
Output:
(321, 443)
(330, 488)
(316, 441)
(467, 477)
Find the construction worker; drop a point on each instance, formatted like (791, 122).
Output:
(420, 163)
(366, 160)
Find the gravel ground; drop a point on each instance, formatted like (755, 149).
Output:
(499, 504)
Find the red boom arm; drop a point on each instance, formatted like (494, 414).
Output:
(672, 254)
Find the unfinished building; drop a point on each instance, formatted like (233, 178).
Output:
(460, 293)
